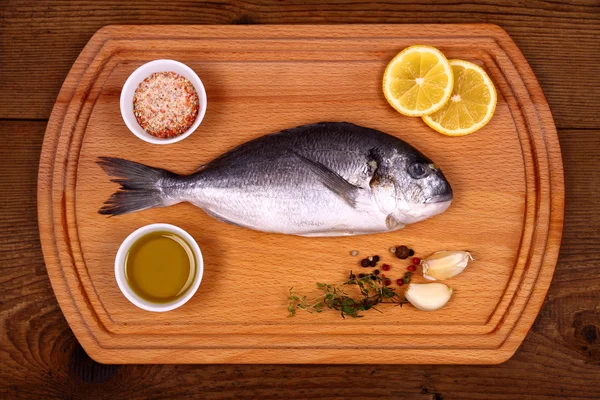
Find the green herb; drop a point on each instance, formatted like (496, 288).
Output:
(372, 292)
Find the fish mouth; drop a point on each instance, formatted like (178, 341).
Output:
(439, 198)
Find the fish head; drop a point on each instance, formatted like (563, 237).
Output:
(422, 190)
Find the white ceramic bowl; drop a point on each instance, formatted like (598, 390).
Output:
(142, 73)
(120, 268)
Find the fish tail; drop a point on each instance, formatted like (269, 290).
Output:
(140, 186)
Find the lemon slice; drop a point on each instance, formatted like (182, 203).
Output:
(472, 104)
(418, 81)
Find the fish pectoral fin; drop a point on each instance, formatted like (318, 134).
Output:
(331, 179)
(393, 224)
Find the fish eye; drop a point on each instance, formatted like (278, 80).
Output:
(419, 170)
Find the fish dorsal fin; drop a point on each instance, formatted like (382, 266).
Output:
(330, 179)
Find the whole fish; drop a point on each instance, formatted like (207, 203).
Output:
(325, 179)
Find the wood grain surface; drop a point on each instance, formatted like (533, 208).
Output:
(39, 357)
(43, 38)
(262, 79)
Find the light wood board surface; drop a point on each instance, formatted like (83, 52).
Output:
(507, 180)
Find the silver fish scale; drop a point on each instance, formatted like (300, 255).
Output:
(263, 185)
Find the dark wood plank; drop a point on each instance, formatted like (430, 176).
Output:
(35, 340)
(39, 356)
(40, 40)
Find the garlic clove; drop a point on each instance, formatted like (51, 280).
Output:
(445, 264)
(428, 296)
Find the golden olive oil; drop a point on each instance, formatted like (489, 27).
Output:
(160, 267)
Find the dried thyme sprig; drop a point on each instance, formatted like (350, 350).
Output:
(372, 292)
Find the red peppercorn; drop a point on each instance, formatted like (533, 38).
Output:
(416, 260)
(387, 282)
(385, 267)
(400, 282)
(411, 268)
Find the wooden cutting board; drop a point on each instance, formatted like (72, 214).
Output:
(507, 179)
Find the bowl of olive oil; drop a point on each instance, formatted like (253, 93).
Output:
(159, 267)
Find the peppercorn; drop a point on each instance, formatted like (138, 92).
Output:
(372, 263)
(386, 267)
(407, 277)
(361, 275)
(411, 252)
(376, 258)
(411, 268)
(402, 252)
(400, 282)
(373, 277)
(376, 272)
(364, 263)
(387, 282)
(416, 260)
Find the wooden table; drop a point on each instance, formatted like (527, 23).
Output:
(40, 357)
